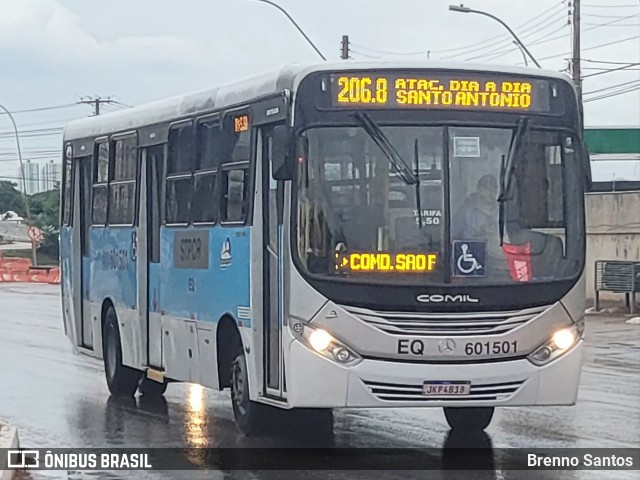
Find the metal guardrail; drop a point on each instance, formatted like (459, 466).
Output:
(618, 277)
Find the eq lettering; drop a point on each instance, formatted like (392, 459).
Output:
(410, 347)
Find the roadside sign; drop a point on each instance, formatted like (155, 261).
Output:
(35, 234)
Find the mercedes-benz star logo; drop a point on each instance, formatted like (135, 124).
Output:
(447, 346)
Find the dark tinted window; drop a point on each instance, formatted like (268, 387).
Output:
(178, 199)
(122, 200)
(124, 165)
(100, 198)
(102, 162)
(234, 195)
(209, 142)
(181, 155)
(66, 200)
(204, 207)
(237, 139)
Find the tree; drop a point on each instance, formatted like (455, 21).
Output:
(45, 211)
(11, 198)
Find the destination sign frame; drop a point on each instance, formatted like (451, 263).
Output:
(443, 90)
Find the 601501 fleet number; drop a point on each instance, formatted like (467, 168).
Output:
(491, 348)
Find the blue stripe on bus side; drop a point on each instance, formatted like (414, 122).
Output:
(203, 294)
(112, 272)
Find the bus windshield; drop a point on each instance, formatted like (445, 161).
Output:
(358, 219)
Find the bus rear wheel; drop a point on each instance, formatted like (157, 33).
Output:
(247, 414)
(121, 380)
(468, 419)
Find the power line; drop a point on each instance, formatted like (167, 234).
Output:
(605, 61)
(625, 25)
(613, 94)
(593, 47)
(613, 86)
(42, 109)
(610, 6)
(476, 44)
(546, 40)
(609, 16)
(530, 31)
(611, 70)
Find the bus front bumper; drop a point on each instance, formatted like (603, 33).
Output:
(315, 382)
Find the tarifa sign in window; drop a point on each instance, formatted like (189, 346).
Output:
(385, 262)
(463, 91)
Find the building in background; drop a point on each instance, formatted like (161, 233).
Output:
(40, 178)
(32, 177)
(50, 176)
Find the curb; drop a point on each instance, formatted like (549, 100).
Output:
(8, 439)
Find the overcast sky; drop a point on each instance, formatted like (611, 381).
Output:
(55, 51)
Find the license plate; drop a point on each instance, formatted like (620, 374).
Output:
(440, 389)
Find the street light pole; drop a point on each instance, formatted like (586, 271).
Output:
(273, 4)
(24, 182)
(524, 56)
(463, 9)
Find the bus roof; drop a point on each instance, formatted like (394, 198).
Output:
(245, 90)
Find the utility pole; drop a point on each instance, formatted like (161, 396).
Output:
(344, 50)
(575, 60)
(96, 102)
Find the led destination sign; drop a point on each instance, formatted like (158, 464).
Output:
(440, 91)
(385, 262)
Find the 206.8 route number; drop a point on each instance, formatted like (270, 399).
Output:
(490, 348)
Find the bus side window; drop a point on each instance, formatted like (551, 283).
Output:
(66, 198)
(180, 163)
(209, 144)
(234, 195)
(122, 187)
(100, 185)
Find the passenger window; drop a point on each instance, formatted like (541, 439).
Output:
(178, 200)
(122, 201)
(99, 208)
(180, 159)
(102, 168)
(66, 213)
(234, 199)
(237, 139)
(125, 159)
(204, 208)
(209, 142)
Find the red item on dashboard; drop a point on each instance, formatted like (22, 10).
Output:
(519, 261)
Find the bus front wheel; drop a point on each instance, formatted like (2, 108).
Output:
(247, 414)
(470, 419)
(122, 380)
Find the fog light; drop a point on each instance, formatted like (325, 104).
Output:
(564, 338)
(341, 354)
(320, 340)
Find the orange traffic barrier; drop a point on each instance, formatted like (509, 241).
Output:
(54, 275)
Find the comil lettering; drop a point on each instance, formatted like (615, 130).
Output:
(437, 298)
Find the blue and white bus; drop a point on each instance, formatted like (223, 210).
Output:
(338, 235)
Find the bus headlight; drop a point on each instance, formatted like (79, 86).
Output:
(560, 342)
(325, 344)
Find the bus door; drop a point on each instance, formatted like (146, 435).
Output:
(148, 257)
(84, 171)
(272, 202)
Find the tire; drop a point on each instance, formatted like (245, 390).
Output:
(121, 380)
(247, 414)
(150, 388)
(468, 419)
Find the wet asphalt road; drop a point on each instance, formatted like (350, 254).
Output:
(58, 399)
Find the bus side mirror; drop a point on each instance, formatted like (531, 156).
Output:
(281, 157)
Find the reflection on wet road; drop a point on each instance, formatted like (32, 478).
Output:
(58, 399)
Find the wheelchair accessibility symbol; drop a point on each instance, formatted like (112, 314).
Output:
(469, 259)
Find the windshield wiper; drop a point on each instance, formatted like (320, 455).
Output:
(416, 163)
(381, 140)
(506, 173)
